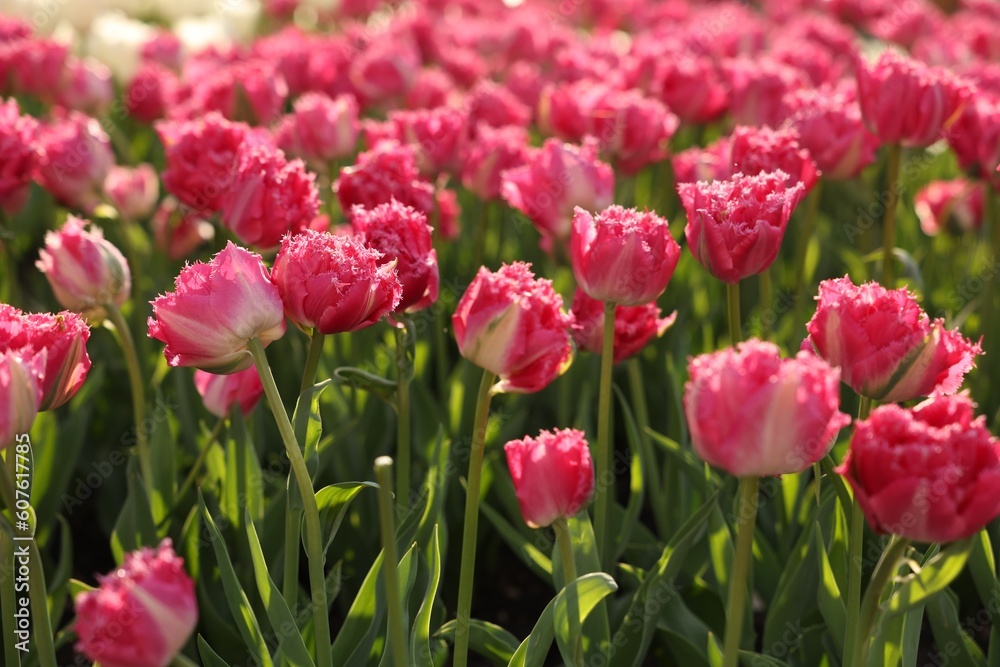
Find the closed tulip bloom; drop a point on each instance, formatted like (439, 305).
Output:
(513, 325)
(553, 475)
(133, 191)
(214, 311)
(221, 392)
(754, 414)
(269, 197)
(929, 473)
(489, 154)
(85, 270)
(906, 102)
(692, 87)
(320, 129)
(60, 343)
(74, 159)
(955, 206)
(142, 613)
(735, 226)
(18, 158)
(20, 394)
(884, 343)
(557, 178)
(635, 326)
(622, 255)
(402, 235)
(334, 283)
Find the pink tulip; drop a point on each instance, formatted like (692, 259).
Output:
(75, 156)
(512, 324)
(20, 394)
(622, 255)
(955, 206)
(133, 191)
(438, 135)
(142, 614)
(214, 311)
(334, 283)
(553, 475)
(18, 157)
(221, 392)
(86, 87)
(151, 93)
(756, 150)
(884, 343)
(403, 236)
(930, 473)
(178, 231)
(735, 227)
(489, 154)
(84, 269)
(753, 413)
(320, 130)
(635, 326)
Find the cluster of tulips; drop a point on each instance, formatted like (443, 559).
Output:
(582, 137)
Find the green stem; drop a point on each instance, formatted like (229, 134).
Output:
(889, 224)
(138, 389)
(387, 524)
(802, 248)
(404, 344)
(198, 462)
(471, 525)
(746, 509)
(604, 493)
(887, 566)
(733, 301)
(181, 660)
(316, 342)
(766, 301)
(564, 544)
(661, 497)
(42, 630)
(314, 537)
(8, 600)
(855, 546)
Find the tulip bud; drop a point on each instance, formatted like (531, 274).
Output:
(75, 156)
(133, 192)
(553, 475)
(220, 392)
(320, 130)
(85, 270)
(20, 394)
(142, 614)
(753, 413)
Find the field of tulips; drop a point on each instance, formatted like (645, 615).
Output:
(597, 333)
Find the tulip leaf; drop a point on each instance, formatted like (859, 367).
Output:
(365, 381)
(407, 576)
(239, 605)
(76, 587)
(983, 568)
(135, 526)
(831, 602)
(366, 611)
(519, 544)
(955, 642)
(933, 577)
(636, 484)
(590, 589)
(485, 639)
(421, 652)
(282, 621)
(635, 633)
(333, 502)
(308, 423)
(760, 660)
(690, 464)
(208, 656)
(243, 486)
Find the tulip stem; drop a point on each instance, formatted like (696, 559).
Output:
(766, 302)
(733, 300)
(661, 497)
(404, 347)
(802, 249)
(604, 492)
(471, 525)
(387, 524)
(887, 566)
(746, 517)
(138, 387)
(12, 657)
(855, 546)
(181, 660)
(42, 630)
(198, 462)
(564, 544)
(889, 224)
(314, 537)
(316, 342)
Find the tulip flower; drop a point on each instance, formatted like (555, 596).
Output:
(553, 475)
(320, 129)
(221, 392)
(635, 326)
(20, 394)
(17, 155)
(142, 614)
(214, 311)
(74, 158)
(493, 151)
(178, 231)
(132, 191)
(955, 206)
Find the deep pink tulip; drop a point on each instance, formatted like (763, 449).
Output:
(178, 231)
(735, 227)
(757, 86)
(929, 473)
(142, 613)
(438, 136)
(320, 130)
(74, 158)
(220, 392)
(402, 235)
(18, 156)
(86, 86)
(214, 311)
(753, 413)
(692, 87)
(334, 283)
(20, 394)
(489, 154)
(252, 91)
(553, 475)
(133, 190)
(85, 270)
(151, 92)
(884, 343)
(513, 325)
(635, 326)
(954, 206)
(756, 150)
(622, 255)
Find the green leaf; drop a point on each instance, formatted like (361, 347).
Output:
(636, 631)
(239, 605)
(721, 549)
(761, 660)
(162, 453)
(954, 642)
(308, 422)
(519, 544)
(485, 639)
(421, 653)
(135, 526)
(590, 590)
(243, 486)
(692, 466)
(76, 587)
(282, 621)
(361, 379)
(831, 602)
(636, 484)
(208, 656)
(407, 577)
(333, 502)
(933, 577)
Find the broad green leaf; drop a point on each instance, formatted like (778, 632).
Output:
(333, 502)
(519, 544)
(366, 611)
(590, 590)
(596, 629)
(636, 484)
(485, 639)
(162, 453)
(135, 526)
(721, 549)
(934, 577)
(308, 423)
(693, 467)
(282, 621)
(959, 647)
(983, 568)
(831, 602)
(239, 605)
(208, 656)
(76, 587)
(244, 484)
(421, 653)
(760, 660)
(362, 379)
(407, 576)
